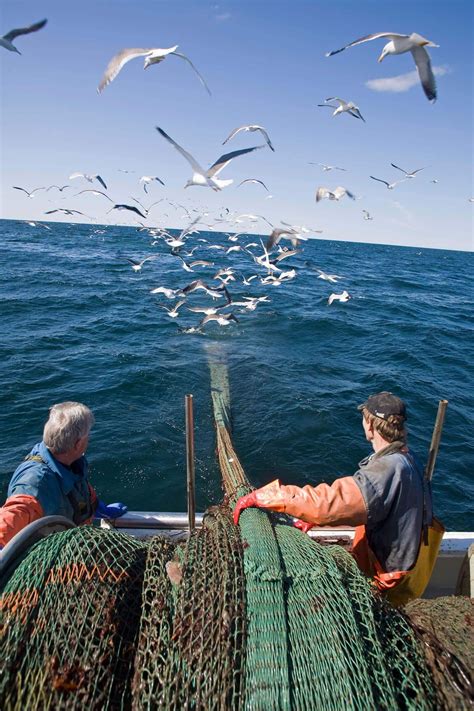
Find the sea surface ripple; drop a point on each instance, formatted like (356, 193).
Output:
(79, 324)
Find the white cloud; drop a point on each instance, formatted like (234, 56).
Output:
(402, 82)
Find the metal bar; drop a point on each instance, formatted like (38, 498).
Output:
(435, 439)
(191, 487)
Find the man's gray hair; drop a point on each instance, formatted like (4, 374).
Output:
(67, 423)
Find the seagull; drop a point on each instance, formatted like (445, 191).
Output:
(408, 174)
(89, 178)
(248, 280)
(301, 228)
(399, 44)
(132, 208)
(328, 167)
(7, 40)
(199, 284)
(328, 277)
(344, 107)
(252, 128)
(222, 319)
(66, 212)
(30, 195)
(146, 179)
(169, 293)
(207, 310)
(145, 210)
(367, 215)
(253, 180)
(279, 234)
(152, 56)
(59, 187)
(335, 194)
(390, 186)
(251, 302)
(345, 296)
(172, 312)
(37, 224)
(201, 176)
(136, 266)
(94, 192)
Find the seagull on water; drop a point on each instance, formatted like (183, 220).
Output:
(345, 296)
(252, 128)
(89, 178)
(152, 56)
(30, 195)
(207, 177)
(335, 194)
(390, 186)
(147, 179)
(408, 173)
(399, 44)
(343, 107)
(7, 40)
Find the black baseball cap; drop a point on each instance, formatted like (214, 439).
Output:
(384, 404)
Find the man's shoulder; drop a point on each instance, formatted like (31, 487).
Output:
(33, 472)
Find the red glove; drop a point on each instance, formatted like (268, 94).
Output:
(244, 502)
(303, 525)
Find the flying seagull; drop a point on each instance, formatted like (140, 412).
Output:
(30, 195)
(173, 311)
(152, 56)
(328, 277)
(408, 173)
(95, 192)
(66, 211)
(146, 179)
(137, 265)
(59, 187)
(207, 177)
(328, 167)
(89, 178)
(345, 296)
(132, 208)
(399, 44)
(251, 128)
(7, 40)
(335, 194)
(253, 180)
(343, 107)
(278, 234)
(37, 224)
(390, 186)
(367, 215)
(222, 319)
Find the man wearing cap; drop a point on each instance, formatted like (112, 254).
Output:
(385, 498)
(53, 478)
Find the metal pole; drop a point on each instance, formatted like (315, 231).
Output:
(191, 488)
(435, 439)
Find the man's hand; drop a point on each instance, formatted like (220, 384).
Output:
(303, 525)
(110, 510)
(244, 502)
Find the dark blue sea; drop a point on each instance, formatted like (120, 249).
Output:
(79, 324)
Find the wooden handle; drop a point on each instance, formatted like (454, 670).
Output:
(191, 488)
(435, 439)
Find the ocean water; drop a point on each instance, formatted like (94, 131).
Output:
(79, 324)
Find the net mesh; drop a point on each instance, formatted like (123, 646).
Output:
(251, 617)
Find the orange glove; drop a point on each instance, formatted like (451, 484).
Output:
(244, 502)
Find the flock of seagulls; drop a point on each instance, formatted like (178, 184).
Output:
(242, 264)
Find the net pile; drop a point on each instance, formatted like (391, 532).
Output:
(69, 619)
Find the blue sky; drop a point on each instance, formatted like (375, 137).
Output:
(264, 63)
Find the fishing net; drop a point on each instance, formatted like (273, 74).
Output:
(252, 617)
(445, 627)
(69, 620)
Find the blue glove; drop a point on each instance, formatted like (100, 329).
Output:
(110, 510)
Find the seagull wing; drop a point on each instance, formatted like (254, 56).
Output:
(396, 166)
(116, 64)
(367, 38)
(15, 187)
(10, 36)
(95, 192)
(425, 72)
(132, 208)
(380, 180)
(341, 102)
(266, 137)
(76, 175)
(356, 114)
(221, 162)
(200, 77)
(101, 181)
(191, 160)
(235, 132)
(321, 193)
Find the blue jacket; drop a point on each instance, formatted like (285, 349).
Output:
(391, 483)
(60, 490)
